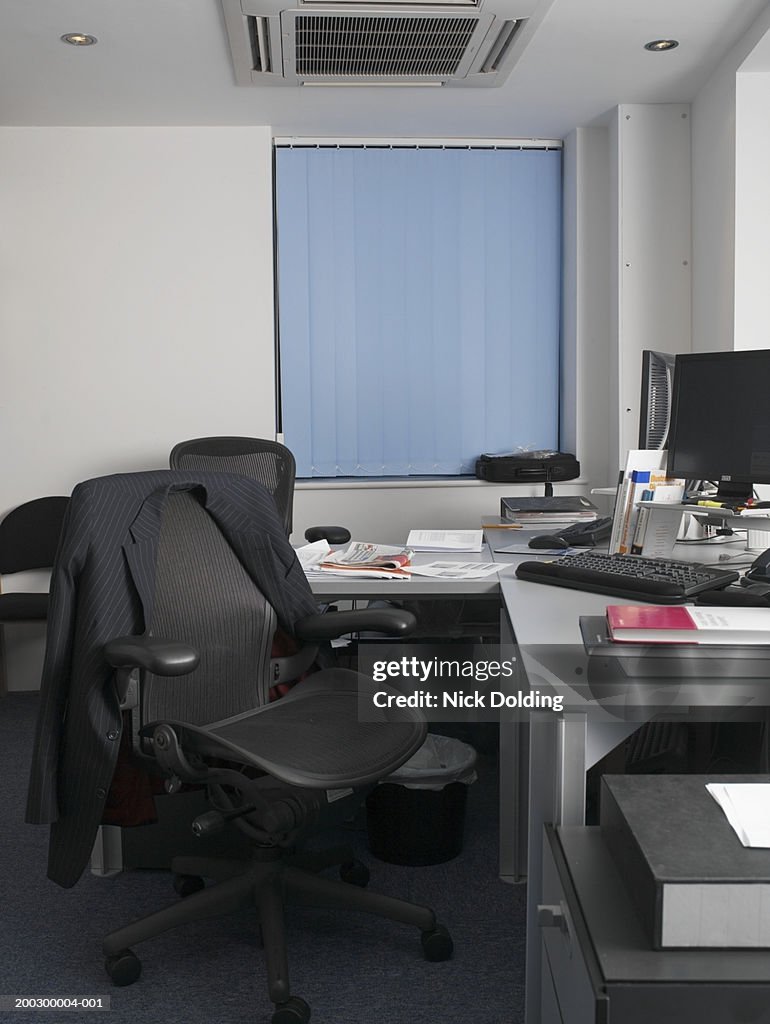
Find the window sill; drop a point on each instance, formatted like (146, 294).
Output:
(407, 483)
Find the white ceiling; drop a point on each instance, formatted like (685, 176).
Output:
(167, 62)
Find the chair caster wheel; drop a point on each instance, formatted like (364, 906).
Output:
(437, 944)
(186, 885)
(293, 1011)
(355, 873)
(123, 968)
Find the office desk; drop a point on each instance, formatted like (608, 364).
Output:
(543, 761)
(555, 751)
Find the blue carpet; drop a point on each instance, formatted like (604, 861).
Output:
(351, 968)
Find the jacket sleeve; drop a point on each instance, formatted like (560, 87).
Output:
(41, 797)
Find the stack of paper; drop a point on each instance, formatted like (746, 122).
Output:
(747, 808)
(445, 540)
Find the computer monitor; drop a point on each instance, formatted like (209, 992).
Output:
(655, 403)
(720, 421)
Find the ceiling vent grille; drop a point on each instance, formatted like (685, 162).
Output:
(330, 46)
(456, 42)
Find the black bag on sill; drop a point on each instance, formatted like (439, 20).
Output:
(527, 467)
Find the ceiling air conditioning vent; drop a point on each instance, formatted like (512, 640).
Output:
(363, 47)
(349, 42)
(259, 35)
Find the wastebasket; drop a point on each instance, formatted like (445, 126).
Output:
(417, 815)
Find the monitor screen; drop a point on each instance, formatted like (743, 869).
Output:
(720, 420)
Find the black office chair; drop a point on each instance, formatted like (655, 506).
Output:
(29, 535)
(270, 463)
(277, 771)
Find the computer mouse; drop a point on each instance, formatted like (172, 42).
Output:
(548, 542)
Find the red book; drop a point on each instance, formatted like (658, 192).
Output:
(680, 624)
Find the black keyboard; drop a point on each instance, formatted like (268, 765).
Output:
(660, 580)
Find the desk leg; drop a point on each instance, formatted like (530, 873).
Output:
(557, 768)
(514, 798)
(513, 769)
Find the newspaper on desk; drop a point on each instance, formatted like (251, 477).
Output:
(316, 560)
(455, 570)
(360, 559)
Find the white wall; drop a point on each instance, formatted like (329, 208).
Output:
(387, 512)
(713, 197)
(586, 343)
(752, 209)
(651, 242)
(136, 299)
(136, 306)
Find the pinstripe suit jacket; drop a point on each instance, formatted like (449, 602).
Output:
(102, 587)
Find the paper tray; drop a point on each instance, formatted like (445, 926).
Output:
(672, 661)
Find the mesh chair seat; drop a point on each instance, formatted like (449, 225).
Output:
(315, 736)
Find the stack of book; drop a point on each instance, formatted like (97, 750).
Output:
(680, 624)
(644, 479)
(534, 513)
(673, 643)
(693, 884)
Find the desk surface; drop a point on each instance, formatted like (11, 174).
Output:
(337, 588)
(547, 614)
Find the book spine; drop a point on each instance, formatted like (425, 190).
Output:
(637, 544)
(618, 518)
(640, 480)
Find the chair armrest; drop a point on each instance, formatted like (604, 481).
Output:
(331, 534)
(161, 657)
(391, 621)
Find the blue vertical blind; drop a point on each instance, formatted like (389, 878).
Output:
(419, 306)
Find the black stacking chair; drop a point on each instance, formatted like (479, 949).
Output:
(270, 463)
(196, 685)
(29, 535)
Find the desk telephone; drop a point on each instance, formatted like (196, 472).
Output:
(753, 589)
(579, 535)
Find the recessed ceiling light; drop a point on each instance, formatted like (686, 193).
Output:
(78, 39)
(659, 45)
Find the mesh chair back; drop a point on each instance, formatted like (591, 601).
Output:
(268, 462)
(204, 597)
(29, 534)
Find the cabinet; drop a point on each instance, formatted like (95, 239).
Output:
(598, 967)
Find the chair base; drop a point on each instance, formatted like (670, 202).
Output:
(269, 884)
